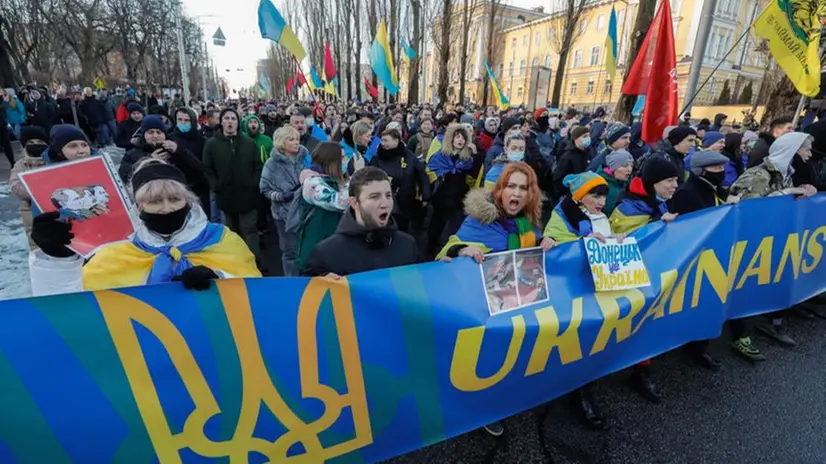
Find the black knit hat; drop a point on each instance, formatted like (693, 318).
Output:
(679, 133)
(656, 170)
(60, 136)
(579, 131)
(32, 133)
(155, 171)
(508, 123)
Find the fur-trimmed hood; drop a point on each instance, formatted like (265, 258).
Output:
(480, 206)
(447, 142)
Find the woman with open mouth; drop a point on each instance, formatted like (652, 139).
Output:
(506, 218)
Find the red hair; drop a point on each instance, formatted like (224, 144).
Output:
(533, 205)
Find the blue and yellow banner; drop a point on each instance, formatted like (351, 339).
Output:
(295, 370)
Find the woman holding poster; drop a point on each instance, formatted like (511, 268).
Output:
(174, 241)
(506, 218)
(579, 215)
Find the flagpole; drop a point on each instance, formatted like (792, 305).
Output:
(301, 71)
(596, 87)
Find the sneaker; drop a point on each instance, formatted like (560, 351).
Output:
(495, 428)
(776, 333)
(747, 351)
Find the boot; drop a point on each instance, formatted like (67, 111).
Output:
(584, 404)
(643, 384)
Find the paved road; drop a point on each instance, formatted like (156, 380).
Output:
(770, 413)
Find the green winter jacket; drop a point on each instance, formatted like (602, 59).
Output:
(263, 142)
(233, 168)
(615, 187)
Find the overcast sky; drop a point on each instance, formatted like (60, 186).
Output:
(238, 20)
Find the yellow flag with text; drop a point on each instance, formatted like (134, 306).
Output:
(792, 28)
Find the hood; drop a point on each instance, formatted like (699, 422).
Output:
(193, 118)
(349, 226)
(286, 159)
(447, 142)
(784, 148)
(244, 127)
(479, 205)
(718, 119)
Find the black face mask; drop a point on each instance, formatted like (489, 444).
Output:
(165, 224)
(35, 149)
(716, 178)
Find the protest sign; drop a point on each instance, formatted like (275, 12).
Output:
(514, 279)
(86, 194)
(616, 266)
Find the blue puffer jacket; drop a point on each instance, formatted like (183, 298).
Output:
(16, 115)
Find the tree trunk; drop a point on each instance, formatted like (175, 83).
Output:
(444, 51)
(645, 15)
(413, 75)
(470, 5)
(782, 102)
(356, 57)
(559, 77)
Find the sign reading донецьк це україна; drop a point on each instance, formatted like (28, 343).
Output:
(615, 265)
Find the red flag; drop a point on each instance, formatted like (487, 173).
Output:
(654, 74)
(290, 84)
(329, 67)
(374, 92)
(299, 77)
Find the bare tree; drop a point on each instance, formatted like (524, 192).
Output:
(443, 47)
(645, 15)
(494, 16)
(568, 30)
(468, 11)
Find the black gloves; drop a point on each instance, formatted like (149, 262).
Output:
(52, 235)
(196, 278)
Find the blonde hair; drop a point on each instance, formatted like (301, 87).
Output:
(162, 188)
(279, 138)
(359, 128)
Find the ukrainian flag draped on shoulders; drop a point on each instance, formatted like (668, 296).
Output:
(485, 228)
(149, 259)
(635, 209)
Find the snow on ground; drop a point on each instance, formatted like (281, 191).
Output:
(14, 248)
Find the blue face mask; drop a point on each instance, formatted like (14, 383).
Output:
(310, 122)
(586, 142)
(184, 127)
(516, 156)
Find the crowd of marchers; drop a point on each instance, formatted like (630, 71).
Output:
(353, 187)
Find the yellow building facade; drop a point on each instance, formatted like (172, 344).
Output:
(505, 17)
(527, 65)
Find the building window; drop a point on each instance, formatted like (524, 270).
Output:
(577, 58)
(525, 40)
(712, 85)
(501, 69)
(513, 42)
(522, 67)
(538, 38)
(510, 68)
(600, 22)
(547, 61)
(595, 56)
(620, 18)
(609, 86)
(582, 26)
(535, 62)
(551, 34)
(519, 92)
(573, 88)
(590, 88)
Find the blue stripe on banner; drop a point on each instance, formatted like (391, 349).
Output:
(377, 364)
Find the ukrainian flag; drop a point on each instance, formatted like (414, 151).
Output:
(409, 53)
(273, 27)
(329, 85)
(381, 60)
(501, 100)
(611, 45)
(315, 81)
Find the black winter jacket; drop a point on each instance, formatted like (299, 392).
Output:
(572, 161)
(696, 194)
(182, 159)
(406, 173)
(353, 249)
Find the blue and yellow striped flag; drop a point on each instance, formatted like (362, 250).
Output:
(315, 81)
(274, 27)
(409, 53)
(611, 45)
(381, 60)
(501, 100)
